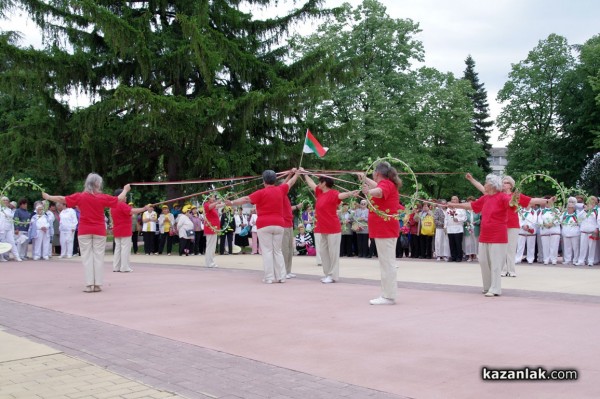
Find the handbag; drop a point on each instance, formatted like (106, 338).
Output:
(310, 250)
(190, 234)
(245, 231)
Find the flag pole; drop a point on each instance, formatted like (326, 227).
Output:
(302, 154)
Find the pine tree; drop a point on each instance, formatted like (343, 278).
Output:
(480, 124)
(180, 88)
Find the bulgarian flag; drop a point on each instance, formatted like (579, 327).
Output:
(311, 144)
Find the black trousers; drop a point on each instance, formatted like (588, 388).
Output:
(363, 245)
(148, 242)
(134, 241)
(456, 252)
(229, 238)
(425, 246)
(165, 238)
(199, 243)
(346, 245)
(414, 246)
(184, 246)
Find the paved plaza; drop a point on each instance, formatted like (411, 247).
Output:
(173, 329)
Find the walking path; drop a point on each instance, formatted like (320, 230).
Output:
(175, 329)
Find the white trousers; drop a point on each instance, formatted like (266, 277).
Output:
(386, 254)
(66, 243)
(511, 250)
(92, 249)
(23, 247)
(211, 247)
(442, 247)
(270, 238)
(540, 246)
(329, 246)
(8, 236)
(41, 244)
(550, 245)
(491, 259)
(587, 249)
(121, 255)
(317, 249)
(570, 249)
(287, 248)
(529, 242)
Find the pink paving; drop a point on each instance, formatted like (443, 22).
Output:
(432, 344)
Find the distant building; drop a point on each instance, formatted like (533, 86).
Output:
(498, 160)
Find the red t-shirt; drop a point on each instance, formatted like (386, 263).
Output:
(389, 203)
(212, 217)
(269, 205)
(494, 210)
(121, 216)
(513, 215)
(288, 215)
(326, 212)
(91, 208)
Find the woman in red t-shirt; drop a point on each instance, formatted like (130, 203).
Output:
(493, 239)
(327, 225)
(212, 224)
(383, 190)
(270, 222)
(92, 225)
(121, 220)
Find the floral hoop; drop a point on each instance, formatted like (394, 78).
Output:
(220, 197)
(413, 198)
(23, 182)
(561, 200)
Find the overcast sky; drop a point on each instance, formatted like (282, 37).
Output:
(495, 33)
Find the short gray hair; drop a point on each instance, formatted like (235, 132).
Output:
(494, 181)
(509, 180)
(269, 176)
(93, 183)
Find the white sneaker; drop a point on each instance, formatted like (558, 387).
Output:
(35, 258)
(46, 258)
(438, 258)
(327, 280)
(2, 259)
(382, 301)
(268, 281)
(489, 294)
(590, 264)
(511, 274)
(19, 259)
(69, 256)
(281, 281)
(290, 275)
(503, 274)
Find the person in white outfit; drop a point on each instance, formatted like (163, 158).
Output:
(7, 229)
(588, 224)
(442, 246)
(453, 224)
(527, 237)
(39, 230)
(570, 234)
(549, 223)
(67, 226)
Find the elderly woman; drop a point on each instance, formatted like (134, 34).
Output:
(493, 240)
(588, 224)
(166, 227)
(39, 229)
(121, 216)
(513, 225)
(212, 226)
(328, 231)
(270, 223)
(303, 241)
(185, 229)
(383, 190)
(570, 234)
(92, 227)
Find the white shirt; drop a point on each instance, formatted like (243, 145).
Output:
(68, 220)
(454, 223)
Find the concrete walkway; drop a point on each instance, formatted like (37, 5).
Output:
(173, 327)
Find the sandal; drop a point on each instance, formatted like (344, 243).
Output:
(89, 288)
